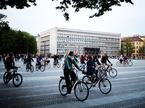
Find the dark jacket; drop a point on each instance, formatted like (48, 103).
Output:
(90, 67)
(104, 59)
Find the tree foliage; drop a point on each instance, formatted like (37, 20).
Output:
(127, 48)
(100, 6)
(142, 50)
(19, 4)
(3, 24)
(17, 42)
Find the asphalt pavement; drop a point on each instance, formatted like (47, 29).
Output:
(40, 90)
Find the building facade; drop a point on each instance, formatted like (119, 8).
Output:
(61, 40)
(137, 42)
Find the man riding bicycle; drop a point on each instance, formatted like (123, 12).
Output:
(38, 61)
(29, 60)
(9, 62)
(105, 59)
(69, 71)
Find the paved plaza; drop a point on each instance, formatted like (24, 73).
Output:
(40, 90)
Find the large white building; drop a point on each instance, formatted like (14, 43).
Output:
(60, 40)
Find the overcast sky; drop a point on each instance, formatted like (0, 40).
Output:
(127, 19)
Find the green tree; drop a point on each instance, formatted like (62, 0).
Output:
(17, 42)
(3, 27)
(122, 49)
(142, 51)
(127, 48)
(100, 6)
(30, 45)
(19, 4)
(3, 24)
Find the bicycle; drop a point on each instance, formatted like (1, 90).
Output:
(57, 64)
(81, 90)
(83, 66)
(16, 78)
(124, 63)
(47, 63)
(104, 84)
(29, 67)
(40, 67)
(109, 69)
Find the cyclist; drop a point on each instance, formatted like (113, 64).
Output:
(121, 58)
(46, 61)
(82, 59)
(68, 71)
(105, 59)
(29, 60)
(38, 61)
(96, 59)
(125, 59)
(55, 57)
(91, 67)
(9, 62)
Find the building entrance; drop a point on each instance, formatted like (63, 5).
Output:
(91, 51)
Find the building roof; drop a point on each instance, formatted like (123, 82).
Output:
(133, 39)
(142, 36)
(136, 39)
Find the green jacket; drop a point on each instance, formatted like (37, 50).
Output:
(69, 62)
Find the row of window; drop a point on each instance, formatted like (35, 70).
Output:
(87, 39)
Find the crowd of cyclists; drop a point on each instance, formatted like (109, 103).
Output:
(88, 64)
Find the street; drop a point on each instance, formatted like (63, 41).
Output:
(40, 90)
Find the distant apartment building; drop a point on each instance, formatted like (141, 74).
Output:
(137, 42)
(61, 40)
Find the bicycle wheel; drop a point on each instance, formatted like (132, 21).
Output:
(118, 63)
(5, 78)
(58, 65)
(36, 67)
(105, 86)
(87, 80)
(31, 68)
(81, 91)
(49, 65)
(17, 79)
(27, 68)
(130, 63)
(62, 87)
(42, 69)
(113, 73)
(102, 73)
